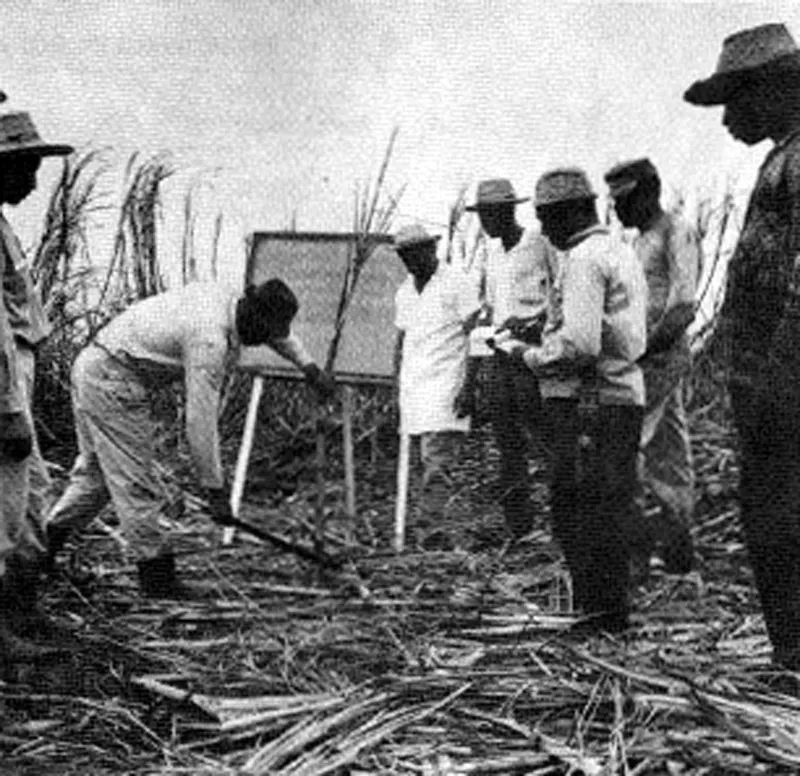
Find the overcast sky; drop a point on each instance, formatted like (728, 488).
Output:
(283, 106)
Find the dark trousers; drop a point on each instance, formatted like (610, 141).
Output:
(769, 492)
(516, 412)
(592, 499)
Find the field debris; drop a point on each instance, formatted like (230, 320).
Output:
(460, 660)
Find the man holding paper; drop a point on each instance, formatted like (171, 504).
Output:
(519, 274)
(595, 333)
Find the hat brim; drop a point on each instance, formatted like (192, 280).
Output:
(433, 239)
(589, 197)
(621, 189)
(491, 205)
(720, 87)
(36, 149)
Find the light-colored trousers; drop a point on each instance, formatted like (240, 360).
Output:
(116, 454)
(666, 466)
(24, 485)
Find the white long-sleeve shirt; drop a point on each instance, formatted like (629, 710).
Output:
(596, 319)
(434, 354)
(189, 333)
(518, 280)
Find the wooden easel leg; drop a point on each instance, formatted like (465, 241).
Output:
(243, 458)
(403, 462)
(349, 461)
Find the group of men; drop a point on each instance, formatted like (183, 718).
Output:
(591, 351)
(581, 323)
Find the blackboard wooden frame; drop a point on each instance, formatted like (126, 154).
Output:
(366, 348)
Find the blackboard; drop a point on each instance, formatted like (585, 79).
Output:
(314, 264)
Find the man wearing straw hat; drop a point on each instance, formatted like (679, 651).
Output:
(432, 308)
(519, 273)
(594, 336)
(193, 334)
(669, 252)
(23, 476)
(757, 80)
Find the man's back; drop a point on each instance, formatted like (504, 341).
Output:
(162, 330)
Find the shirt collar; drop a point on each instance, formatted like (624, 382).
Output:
(579, 237)
(784, 141)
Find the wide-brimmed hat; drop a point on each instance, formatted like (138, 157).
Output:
(18, 136)
(745, 54)
(562, 185)
(411, 236)
(624, 177)
(494, 192)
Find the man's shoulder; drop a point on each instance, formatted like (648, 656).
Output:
(405, 287)
(789, 154)
(606, 251)
(533, 240)
(675, 227)
(404, 295)
(597, 241)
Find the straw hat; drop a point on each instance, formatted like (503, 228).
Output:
(18, 135)
(563, 185)
(758, 50)
(626, 176)
(411, 236)
(493, 192)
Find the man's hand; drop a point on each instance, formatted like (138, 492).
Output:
(524, 329)
(16, 436)
(219, 504)
(464, 404)
(323, 384)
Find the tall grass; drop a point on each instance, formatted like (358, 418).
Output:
(373, 213)
(134, 272)
(716, 224)
(81, 294)
(66, 281)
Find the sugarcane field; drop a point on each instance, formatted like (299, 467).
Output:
(399, 389)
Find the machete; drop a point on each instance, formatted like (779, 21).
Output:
(320, 558)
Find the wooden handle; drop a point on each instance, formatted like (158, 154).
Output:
(243, 458)
(402, 493)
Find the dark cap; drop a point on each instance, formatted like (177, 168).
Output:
(626, 176)
(274, 301)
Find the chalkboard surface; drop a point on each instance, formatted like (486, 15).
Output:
(313, 264)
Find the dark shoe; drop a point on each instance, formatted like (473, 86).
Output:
(21, 609)
(57, 536)
(612, 623)
(158, 579)
(678, 554)
(17, 649)
(640, 570)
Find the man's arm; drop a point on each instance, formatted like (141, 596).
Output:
(205, 367)
(682, 255)
(465, 399)
(11, 399)
(16, 435)
(577, 342)
(784, 354)
(292, 349)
